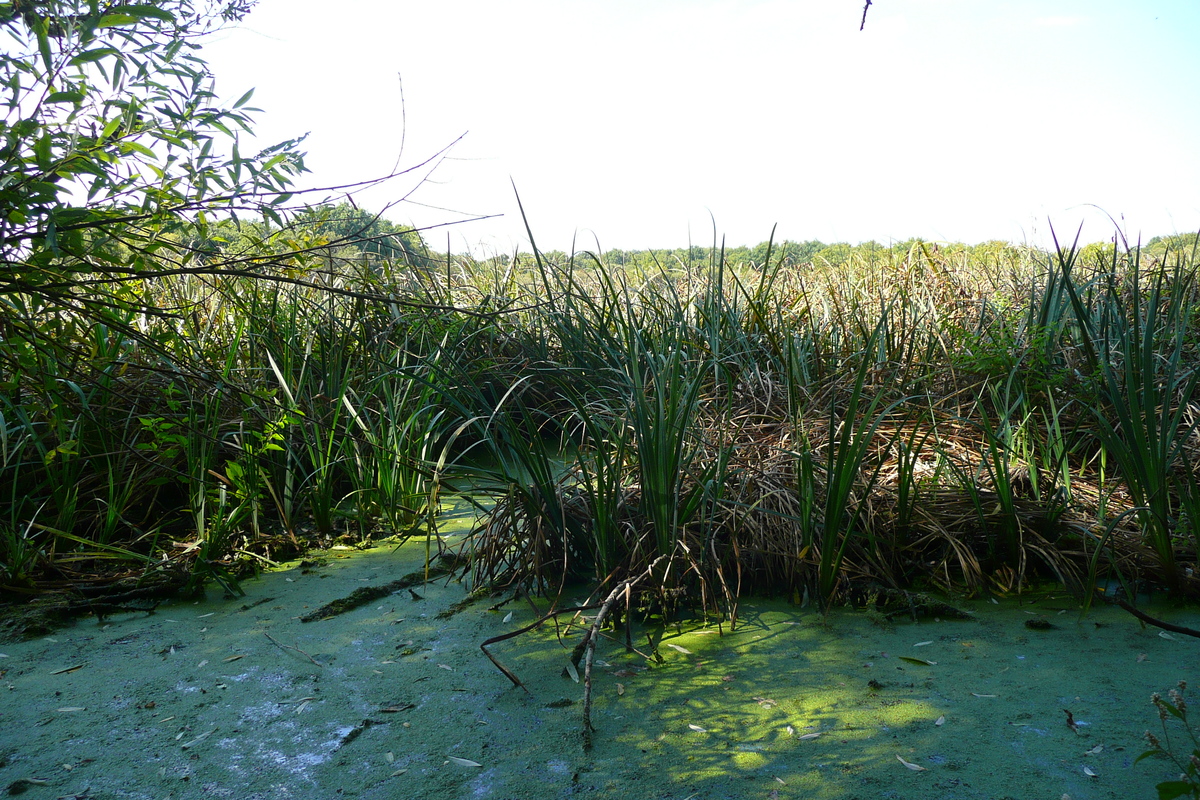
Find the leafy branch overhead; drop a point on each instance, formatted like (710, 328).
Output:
(113, 139)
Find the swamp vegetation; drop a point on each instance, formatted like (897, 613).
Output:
(204, 372)
(962, 420)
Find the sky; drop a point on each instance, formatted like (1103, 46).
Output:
(639, 124)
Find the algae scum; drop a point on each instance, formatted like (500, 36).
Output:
(239, 698)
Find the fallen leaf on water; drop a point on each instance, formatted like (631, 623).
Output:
(573, 672)
(791, 731)
(921, 661)
(21, 784)
(941, 720)
(625, 673)
(446, 667)
(464, 762)
(922, 644)
(197, 740)
(300, 708)
(620, 688)
(233, 658)
(202, 663)
(1098, 749)
(780, 780)
(1088, 771)
(697, 728)
(209, 614)
(398, 773)
(726, 678)
(69, 709)
(389, 756)
(680, 648)
(508, 617)
(910, 765)
(977, 694)
(809, 736)
(65, 670)
(1166, 635)
(1141, 657)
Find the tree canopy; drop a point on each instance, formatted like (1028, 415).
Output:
(112, 142)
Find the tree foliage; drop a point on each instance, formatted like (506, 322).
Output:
(112, 142)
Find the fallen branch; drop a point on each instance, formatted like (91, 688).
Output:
(1158, 623)
(511, 634)
(621, 589)
(369, 594)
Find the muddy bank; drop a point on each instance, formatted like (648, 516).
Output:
(239, 698)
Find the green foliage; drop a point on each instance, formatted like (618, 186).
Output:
(112, 142)
(1188, 763)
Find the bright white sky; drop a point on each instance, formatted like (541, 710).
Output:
(636, 123)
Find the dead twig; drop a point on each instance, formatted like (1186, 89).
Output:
(283, 646)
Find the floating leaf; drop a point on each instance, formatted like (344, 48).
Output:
(1097, 750)
(389, 756)
(398, 773)
(940, 720)
(65, 670)
(197, 740)
(790, 730)
(920, 661)
(809, 736)
(680, 648)
(910, 765)
(508, 617)
(446, 667)
(625, 673)
(464, 762)
(1088, 771)
(209, 614)
(233, 658)
(620, 688)
(1166, 635)
(697, 728)
(572, 671)
(69, 709)
(977, 694)
(1141, 657)
(922, 644)
(202, 663)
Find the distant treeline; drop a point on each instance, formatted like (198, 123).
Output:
(795, 254)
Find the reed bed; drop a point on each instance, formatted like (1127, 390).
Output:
(954, 419)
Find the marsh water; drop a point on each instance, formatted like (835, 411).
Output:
(239, 698)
